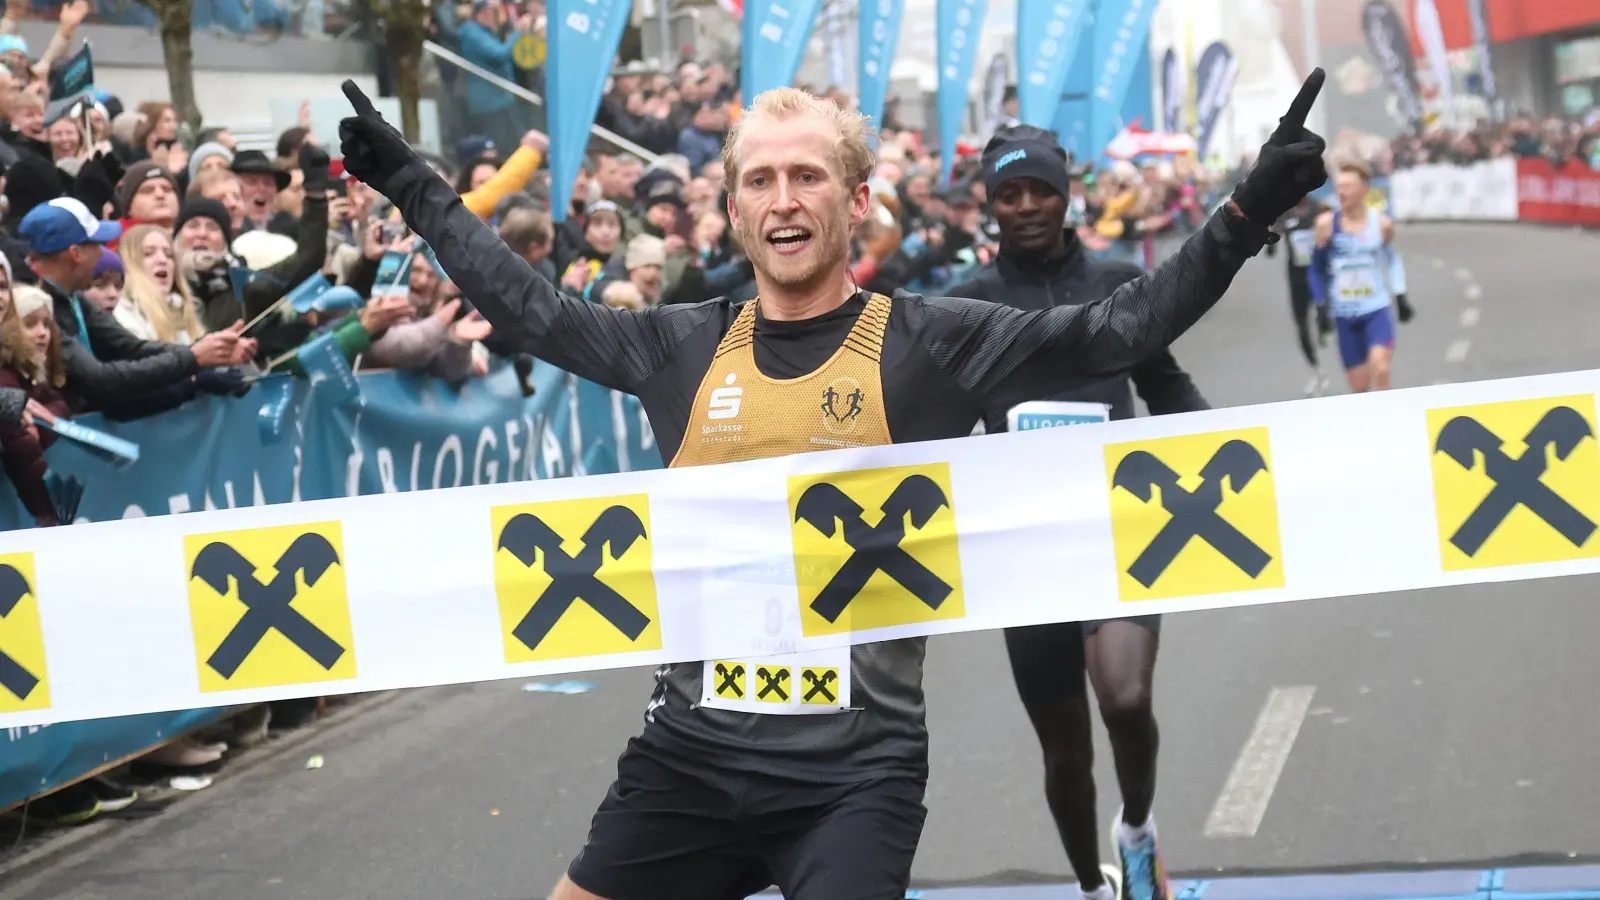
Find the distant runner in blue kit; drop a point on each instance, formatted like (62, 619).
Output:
(1356, 271)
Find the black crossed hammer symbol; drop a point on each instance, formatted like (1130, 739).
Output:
(267, 605)
(772, 680)
(729, 679)
(874, 548)
(1193, 515)
(572, 578)
(819, 684)
(1517, 481)
(13, 676)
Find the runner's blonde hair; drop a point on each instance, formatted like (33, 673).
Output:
(854, 152)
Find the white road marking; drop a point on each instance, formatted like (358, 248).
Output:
(1469, 317)
(1244, 798)
(1438, 263)
(1457, 352)
(1464, 274)
(1474, 292)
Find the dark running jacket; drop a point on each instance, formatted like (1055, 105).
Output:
(1073, 280)
(943, 362)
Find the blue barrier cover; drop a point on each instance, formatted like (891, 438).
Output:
(286, 441)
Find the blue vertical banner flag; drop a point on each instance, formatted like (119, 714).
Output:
(775, 35)
(1047, 43)
(880, 31)
(960, 25)
(582, 42)
(1071, 123)
(1121, 32)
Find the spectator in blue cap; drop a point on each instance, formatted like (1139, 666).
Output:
(107, 367)
(63, 242)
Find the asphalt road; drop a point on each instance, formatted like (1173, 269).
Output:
(1452, 726)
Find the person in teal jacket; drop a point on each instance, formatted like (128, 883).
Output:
(492, 111)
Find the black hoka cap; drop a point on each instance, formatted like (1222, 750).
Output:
(1024, 151)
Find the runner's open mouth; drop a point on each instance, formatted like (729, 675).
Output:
(790, 238)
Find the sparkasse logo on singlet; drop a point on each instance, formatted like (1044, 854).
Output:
(723, 405)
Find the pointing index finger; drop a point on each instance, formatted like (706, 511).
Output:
(1301, 107)
(363, 106)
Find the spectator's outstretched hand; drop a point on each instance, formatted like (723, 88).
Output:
(374, 151)
(1290, 164)
(314, 164)
(219, 348)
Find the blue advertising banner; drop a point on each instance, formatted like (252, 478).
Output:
(1071, 123)
(411, 433)
(880, 31)
(1121, 39)
(1048, 34)
(583, 36)
(775, 34)
(960, 24)
(1213, 85)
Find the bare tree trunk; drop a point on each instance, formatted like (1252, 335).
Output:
(177, 28)
(405, 54)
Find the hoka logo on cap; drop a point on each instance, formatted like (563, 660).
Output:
(1010, 158)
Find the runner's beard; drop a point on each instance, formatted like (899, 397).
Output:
(826, 251)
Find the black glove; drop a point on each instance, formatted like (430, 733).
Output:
(223, 382)
(314, 166)
(1290, 163)
(1404, 306)
(374, 151)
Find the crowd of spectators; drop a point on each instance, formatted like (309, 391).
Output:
(132, 320)
(1561, 140)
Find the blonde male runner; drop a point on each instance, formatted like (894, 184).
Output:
(713, 803)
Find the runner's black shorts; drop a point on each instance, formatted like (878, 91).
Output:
(670, 829)
(1048, 662)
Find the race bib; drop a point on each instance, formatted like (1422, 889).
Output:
(794, 684)
(1036, 414)
(1301, 245)
(1357, 282)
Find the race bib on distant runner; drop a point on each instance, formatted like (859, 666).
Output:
(1036, 414)
(1357, 282)
(1301, 245)
(795, 684)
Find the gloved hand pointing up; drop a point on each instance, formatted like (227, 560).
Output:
(1290, 164)
(374, 152)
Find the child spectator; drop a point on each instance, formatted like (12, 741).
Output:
(30, 359)
(156, 304)
(108, 277)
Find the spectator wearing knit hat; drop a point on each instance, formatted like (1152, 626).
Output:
(209, 156)
(147, 193)
(202, 236)
(109, 276)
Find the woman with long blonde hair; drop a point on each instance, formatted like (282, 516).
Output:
(156, 302)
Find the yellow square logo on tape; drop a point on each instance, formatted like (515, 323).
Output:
(875, 548)
(730, 679)
(819, 684)
(24, 681)
(269, 606)
(1516, 482)
(1194, 514)
(774, 684)
(574, 578)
